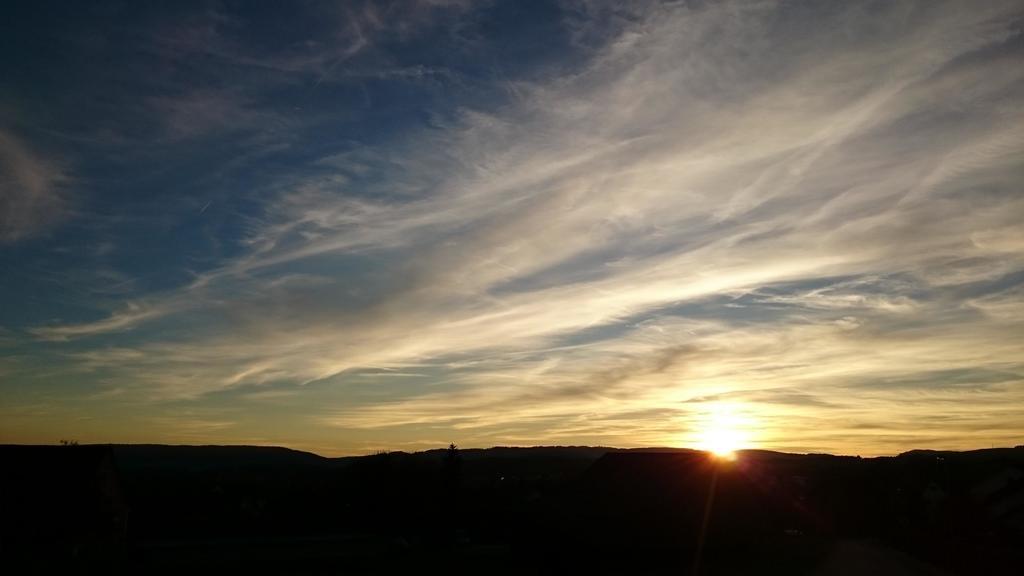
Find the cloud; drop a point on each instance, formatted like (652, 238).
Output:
(205, 112)
(32, 194)
(532, 257)
(328, 43)
(133, 315)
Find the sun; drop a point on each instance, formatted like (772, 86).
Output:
(722, 443)
(722, 432)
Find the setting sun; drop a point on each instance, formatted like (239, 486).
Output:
(724, 431)
(722, 443)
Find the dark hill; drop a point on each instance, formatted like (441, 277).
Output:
(133, 456)
(172, 509)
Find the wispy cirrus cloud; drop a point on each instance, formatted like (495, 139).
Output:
(766, 204)
(33, 195)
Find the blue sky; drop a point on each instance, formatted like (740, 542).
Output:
(354, 226)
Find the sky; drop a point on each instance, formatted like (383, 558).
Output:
(347, 227)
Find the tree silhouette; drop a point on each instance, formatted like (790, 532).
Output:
(451, 477)
(451, 469)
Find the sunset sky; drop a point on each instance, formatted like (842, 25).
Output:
(356, 226)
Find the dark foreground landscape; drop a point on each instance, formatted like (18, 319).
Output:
(561, 510)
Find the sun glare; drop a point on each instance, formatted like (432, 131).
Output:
(723, 431)
(722, 443)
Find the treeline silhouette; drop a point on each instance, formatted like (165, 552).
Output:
(555, 510)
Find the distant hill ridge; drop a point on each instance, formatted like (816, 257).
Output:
(206, 456)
